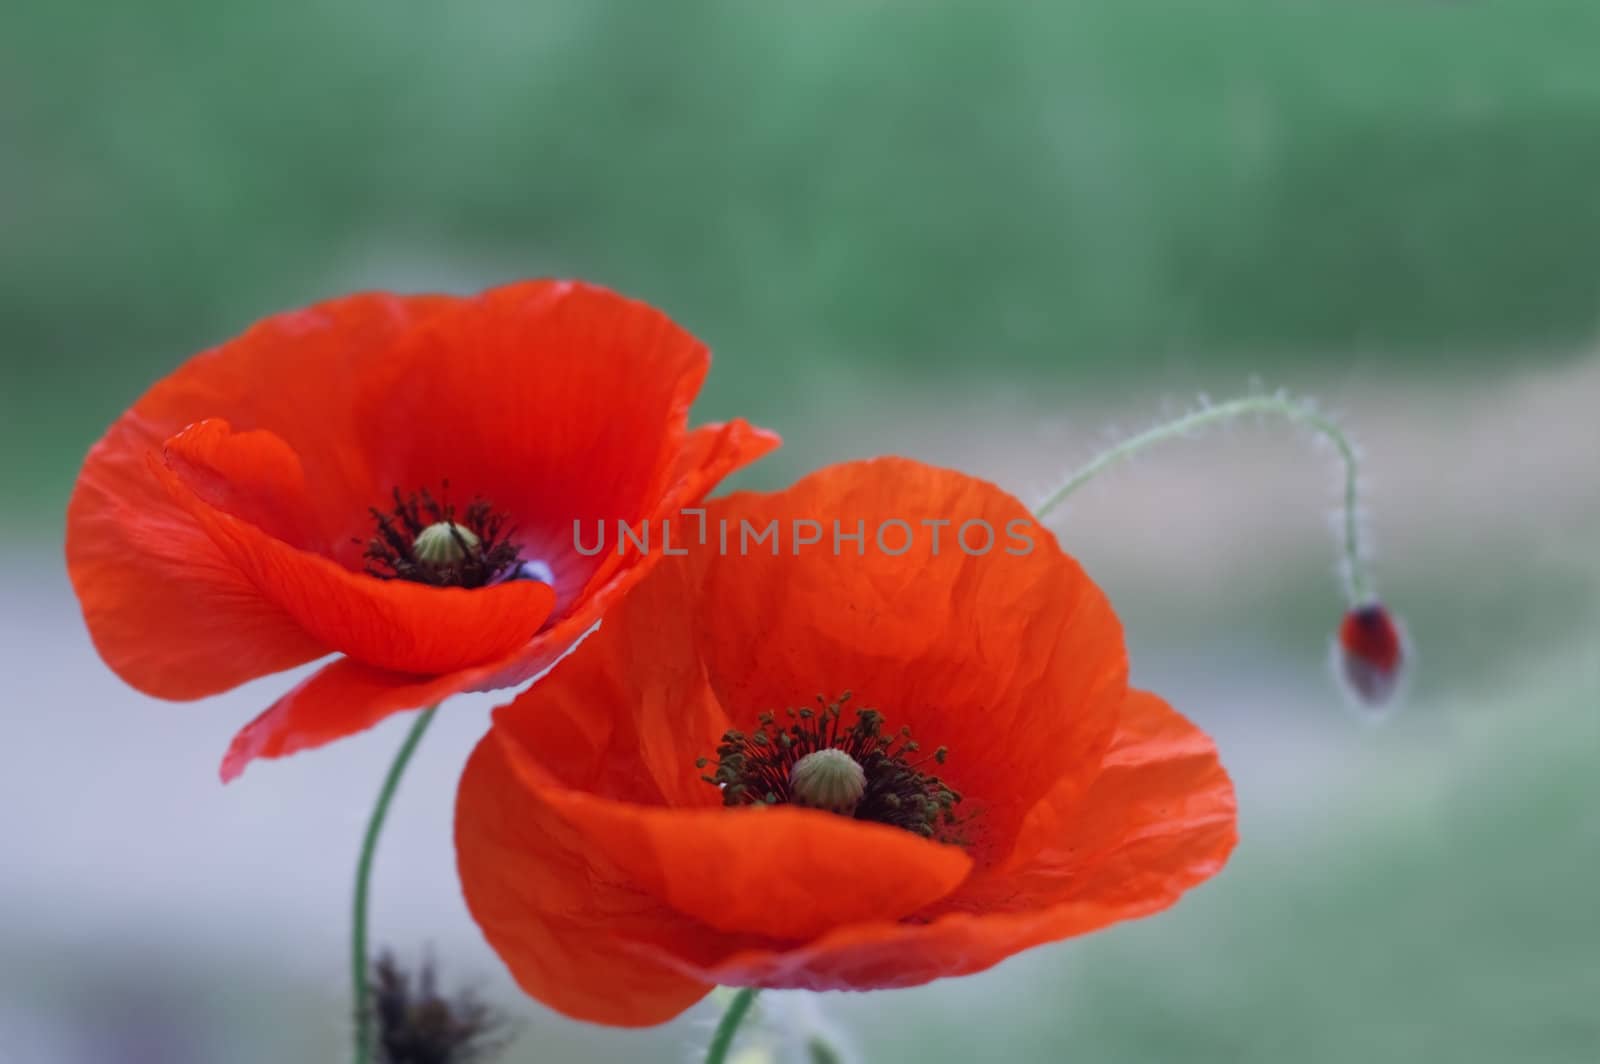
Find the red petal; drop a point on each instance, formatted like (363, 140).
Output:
(255, 476)
(1159, 819)
(553, 400)
(563, 918)
(165, 608)
(388, 624)
(778, 872)
(575, 924)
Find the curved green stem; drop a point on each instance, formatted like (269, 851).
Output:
(1298, 412)
(369, 846)
(722, 1040)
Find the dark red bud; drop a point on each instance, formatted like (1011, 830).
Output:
(1371, 654)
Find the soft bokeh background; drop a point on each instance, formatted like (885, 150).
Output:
(984, 235)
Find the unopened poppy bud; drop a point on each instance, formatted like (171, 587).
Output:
(828, 779)
(444, 543)
(1370, 654)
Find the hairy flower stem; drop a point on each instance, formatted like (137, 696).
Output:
(722, 1039)
(1358, 589)
(369, 846)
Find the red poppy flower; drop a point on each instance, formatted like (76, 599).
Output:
(392, 479)
(651, 819)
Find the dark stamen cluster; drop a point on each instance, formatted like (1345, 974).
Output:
(391, 554)
(416, 1025)
(753, 768)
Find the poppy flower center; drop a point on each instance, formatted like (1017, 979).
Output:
(828, 779)
(427, 542)
(862, 770)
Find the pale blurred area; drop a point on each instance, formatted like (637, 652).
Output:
(991, 240)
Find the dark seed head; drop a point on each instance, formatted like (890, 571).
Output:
(856, 771)
(417, 1025)
(428, 542)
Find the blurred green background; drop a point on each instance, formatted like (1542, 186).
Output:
(980, 234)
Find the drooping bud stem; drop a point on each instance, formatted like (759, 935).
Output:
(1370, 647)
(828, 779)
(444, 543)
(1298, 411)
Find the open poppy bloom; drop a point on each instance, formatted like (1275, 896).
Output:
(394, 480)
(852, 764)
